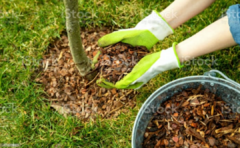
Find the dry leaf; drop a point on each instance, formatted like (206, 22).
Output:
(175, 139)
(211, 141)
(89, 49)
(61, 110)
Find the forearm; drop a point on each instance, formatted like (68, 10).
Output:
(181, 11)
(215, 37)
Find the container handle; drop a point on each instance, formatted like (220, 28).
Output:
(212, 74)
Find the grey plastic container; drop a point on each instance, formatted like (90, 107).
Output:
(226, 88)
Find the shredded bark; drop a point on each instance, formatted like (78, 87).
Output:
(195, 118)
(69, 93)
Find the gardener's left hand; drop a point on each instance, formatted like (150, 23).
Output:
(147, 68)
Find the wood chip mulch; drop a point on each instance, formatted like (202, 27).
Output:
(69, 93)
(194, 118)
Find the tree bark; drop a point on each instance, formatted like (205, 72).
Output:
(83, 63)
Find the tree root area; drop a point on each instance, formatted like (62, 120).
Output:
(71, 94)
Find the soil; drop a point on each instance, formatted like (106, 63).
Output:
(199, 119)
(69, 93)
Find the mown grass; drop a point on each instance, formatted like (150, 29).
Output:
(26, 29)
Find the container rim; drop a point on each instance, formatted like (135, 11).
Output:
(206, 77)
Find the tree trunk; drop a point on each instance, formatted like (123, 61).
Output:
(83, 63)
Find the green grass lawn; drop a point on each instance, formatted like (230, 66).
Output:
(26, 29)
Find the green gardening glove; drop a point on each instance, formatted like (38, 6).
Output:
(147, 33)
(147, 68)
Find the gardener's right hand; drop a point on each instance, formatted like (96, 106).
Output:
(147, 33)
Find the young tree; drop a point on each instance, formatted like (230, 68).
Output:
(83, 63)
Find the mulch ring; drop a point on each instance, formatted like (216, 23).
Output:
(70, 94)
